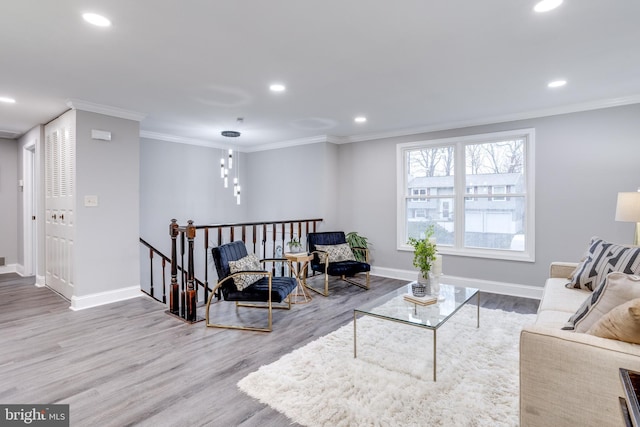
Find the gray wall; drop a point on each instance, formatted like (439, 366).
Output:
(106, 239)
(9, 200)
(183, 182)
(582, 161)
(293, 183)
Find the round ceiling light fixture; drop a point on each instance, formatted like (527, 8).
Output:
(557, 83)
(277, 87)
(230, 133)
(360, 119)
(546, 5)
(7, 100)
(97, 20)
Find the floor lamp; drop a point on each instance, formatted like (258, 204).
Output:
(628, 210)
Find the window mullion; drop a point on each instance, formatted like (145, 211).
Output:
(459, 191)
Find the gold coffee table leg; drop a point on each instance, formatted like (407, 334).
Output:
(434, 355)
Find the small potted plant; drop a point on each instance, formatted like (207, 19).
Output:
(294, 245)
(424, 256)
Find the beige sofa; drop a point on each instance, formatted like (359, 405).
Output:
(569, 378)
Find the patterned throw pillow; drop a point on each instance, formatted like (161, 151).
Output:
(248, 263)
(337, 253)
(601, 259)
(617, 288)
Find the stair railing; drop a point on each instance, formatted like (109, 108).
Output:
(185, 290)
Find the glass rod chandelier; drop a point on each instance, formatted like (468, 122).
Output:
(226, 165)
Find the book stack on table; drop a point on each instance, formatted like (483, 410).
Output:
(425, 300)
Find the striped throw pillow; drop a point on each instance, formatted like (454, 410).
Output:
(601, 259)
(617, 288)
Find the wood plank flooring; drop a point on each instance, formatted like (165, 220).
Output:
(129, 363)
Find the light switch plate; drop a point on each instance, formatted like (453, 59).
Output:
(90, 201)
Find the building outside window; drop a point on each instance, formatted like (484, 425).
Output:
(499, 193)
(477, 192)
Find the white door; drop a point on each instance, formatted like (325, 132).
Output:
(60, 203)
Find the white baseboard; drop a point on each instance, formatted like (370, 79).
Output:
(9, 268)
(20, 269)
(102, 298)
(513, 289)
(40, 281)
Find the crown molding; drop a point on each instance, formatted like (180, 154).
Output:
(533, 114)
(244, 149)
(9, 134)
(333, 139)
(182, 140)
(78, 104)
(289, 143)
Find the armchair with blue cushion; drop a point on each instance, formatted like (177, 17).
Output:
(334, 257)
(243, 280)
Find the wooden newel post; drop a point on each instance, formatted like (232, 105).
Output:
(174, 292)
(190, 313)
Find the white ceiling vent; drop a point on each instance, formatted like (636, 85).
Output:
(7, 134)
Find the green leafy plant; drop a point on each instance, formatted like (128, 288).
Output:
(294, 244)
(424, 252)
(357, 241)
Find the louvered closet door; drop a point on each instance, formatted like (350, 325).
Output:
(60, 202)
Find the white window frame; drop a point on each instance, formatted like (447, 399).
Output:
(528, 255)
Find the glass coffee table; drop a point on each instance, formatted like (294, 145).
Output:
(395, 308)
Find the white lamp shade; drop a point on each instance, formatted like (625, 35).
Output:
(628, 207)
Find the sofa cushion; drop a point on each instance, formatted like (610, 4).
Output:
(616, 289)
(554, 319)
(337, 253)
(557, 297)
(622, 323)
(558, 303)
(248, 263)
(601, 259)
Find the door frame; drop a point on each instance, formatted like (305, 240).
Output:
(30, 175)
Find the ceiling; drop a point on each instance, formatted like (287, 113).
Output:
(191, 68)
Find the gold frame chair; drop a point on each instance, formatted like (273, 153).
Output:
(324, 257)
(269, 305)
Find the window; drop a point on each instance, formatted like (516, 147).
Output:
(499, 192)
(418, 192)
(480, 195)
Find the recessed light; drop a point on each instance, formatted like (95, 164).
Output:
(547, 5)
(97, 20)
(360, 119)
(557, 83)
(7, 100)
(277, 87)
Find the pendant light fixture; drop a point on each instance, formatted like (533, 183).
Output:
(224, 171)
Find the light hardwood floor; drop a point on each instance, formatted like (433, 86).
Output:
(129, 363)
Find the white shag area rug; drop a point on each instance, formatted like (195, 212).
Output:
(391, 381)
